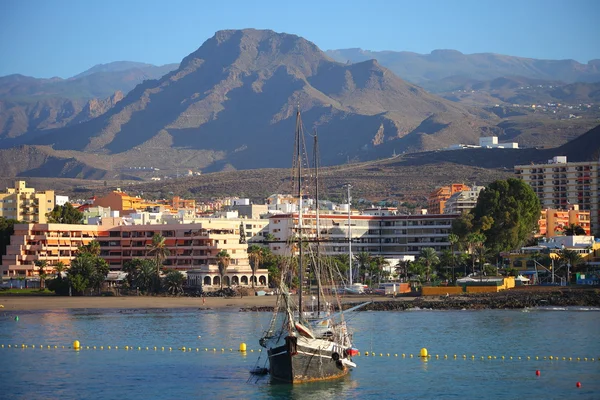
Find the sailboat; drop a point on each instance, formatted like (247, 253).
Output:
(307, 345)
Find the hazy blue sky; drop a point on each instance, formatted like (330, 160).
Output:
(45, 38)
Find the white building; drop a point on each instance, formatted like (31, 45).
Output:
(61, 200)
(386, 235)
(463, 201)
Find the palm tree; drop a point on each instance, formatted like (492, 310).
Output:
(573, 230)
(474, 240)
(255, 257)
(158, 247)
(59, 268)
(42, 264)
(363, 259)
(429, 258)
(379, 262)
(146, 277)
(92, 247)
(570, 258)
(174, 282)
(223, 259)
(453, 239)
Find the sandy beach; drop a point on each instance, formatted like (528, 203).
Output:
(19, 303)
(129, 302)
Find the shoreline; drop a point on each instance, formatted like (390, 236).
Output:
(512, 299)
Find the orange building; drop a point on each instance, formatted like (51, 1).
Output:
(121, 201)
(552, 222)
(437, 199)
(178, 203)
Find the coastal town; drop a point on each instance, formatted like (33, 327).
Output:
(392, 252)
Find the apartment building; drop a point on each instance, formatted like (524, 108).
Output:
(25, 204)
(192, 247)
(391, 236)
(437, 199)
(120, 201)
(463, 201)
(560, 184)
(553, 221)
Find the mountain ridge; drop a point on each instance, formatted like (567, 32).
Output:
(439, 64)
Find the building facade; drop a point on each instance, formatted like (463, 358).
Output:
(552, 221)
(26, 204)
(391, 236)
(560, 184)
(191, 247)
(463, 201)
(436, 200)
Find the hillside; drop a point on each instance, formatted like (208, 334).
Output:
(234, 100)
(33, 105)
(425, 69)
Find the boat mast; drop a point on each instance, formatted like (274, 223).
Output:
(299, 171)
(349, 238)
(318, 235)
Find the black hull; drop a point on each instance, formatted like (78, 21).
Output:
(299, 364)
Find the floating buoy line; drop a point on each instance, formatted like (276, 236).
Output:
(423, 354)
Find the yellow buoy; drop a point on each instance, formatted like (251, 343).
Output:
(423, 352)
(76, 345)
(242, 347)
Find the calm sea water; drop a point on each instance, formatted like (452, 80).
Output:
(147, 374)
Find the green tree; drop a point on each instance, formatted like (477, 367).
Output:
(7, 228)
(474, 243)
(429, 258)
(363, 259)
(146, 277)
(65, 214)
(223, 259)
(132, 269)
(174, 282)
(378, 263)
(78, 283)
(92, 248)
(573, 230)
(59, 268)
(89, 269)
(41, 264)
(159, 249)
(454, 240)
(507, 212)
(418, 269)
(255, 257)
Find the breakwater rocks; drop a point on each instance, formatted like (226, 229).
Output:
(516, 299)
(509, 299)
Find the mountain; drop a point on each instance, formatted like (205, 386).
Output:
(232, 104)
(29, 104)
(118, 66)
(98, 82)
(519, 90)
(426, 69)
(18, 118)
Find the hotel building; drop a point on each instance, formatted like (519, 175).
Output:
(386, 234)
(192, 248)
(559, 185)
(437, 199)
(552, 221)
(25, 204)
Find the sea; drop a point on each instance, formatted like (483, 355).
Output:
(540, 353)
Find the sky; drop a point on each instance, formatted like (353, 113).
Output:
(47, 38)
